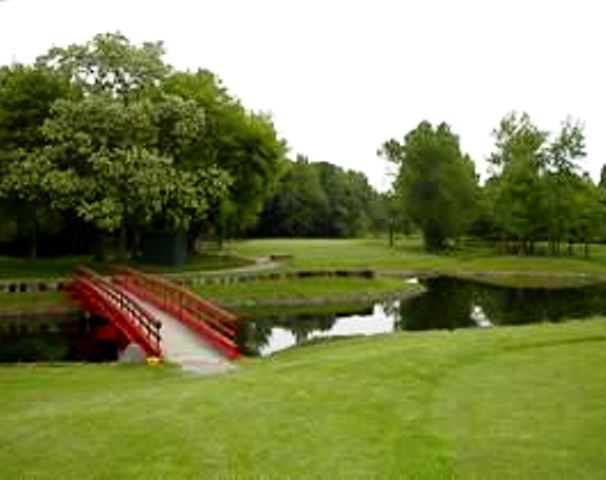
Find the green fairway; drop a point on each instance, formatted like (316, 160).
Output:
(302, 288)
(12, 267)
(510, 403)
(409, 255)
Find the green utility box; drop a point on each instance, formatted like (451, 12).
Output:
(164, 248)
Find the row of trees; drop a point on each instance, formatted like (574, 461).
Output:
(320, 200)
(536, 190)
(106, 137)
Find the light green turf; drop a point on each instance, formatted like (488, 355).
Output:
(324, 287)
(31, 300)
(408, 255)
(11, 267)
(509, 403)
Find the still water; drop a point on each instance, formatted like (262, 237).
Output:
(447, 304)
(53, 338)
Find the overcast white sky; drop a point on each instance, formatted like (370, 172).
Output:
(340, 77)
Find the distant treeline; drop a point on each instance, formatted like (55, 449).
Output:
(536, 192)
(320, 200)
(103, 144)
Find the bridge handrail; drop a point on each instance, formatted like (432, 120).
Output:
(215, 324)
(146, 323)
(225, 320)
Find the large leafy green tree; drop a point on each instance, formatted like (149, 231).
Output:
(435, 181)
(243, 143)
(535, 182)
(111, 65)
(26, 98)
(118, 155)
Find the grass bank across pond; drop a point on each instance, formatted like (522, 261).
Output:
(507, 403)
(329, 288)
(408, 255)
(32, 300)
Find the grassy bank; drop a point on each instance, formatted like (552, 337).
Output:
(301, 288)
(408, 255)
(15, 268)
(32, 300)
(511, 403)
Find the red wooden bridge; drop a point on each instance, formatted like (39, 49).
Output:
(162, 318)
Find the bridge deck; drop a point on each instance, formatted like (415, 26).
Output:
(183, 347)
(161, 318)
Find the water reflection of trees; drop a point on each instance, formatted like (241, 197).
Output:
(255, 334)
(35, 338)
(445, 305)
(516, 306)
(448, 304)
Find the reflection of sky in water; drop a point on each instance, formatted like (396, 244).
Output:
(447, 304)
(279, 339)
(379, 321)
(479, 317)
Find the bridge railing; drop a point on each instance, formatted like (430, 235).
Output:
(211, 322)
(135, 322)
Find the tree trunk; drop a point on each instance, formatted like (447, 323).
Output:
(33, 247)
(569, 247)
(74, 242)
(122, 247)
(391, 235)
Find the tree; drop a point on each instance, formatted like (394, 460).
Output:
(519, 201)
(118, 155)
(534, 181)
(319, 199)
(243, 143)
(26, 98)
(298, 204)
(435, 181)
(109, 64)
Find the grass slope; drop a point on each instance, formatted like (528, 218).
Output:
(524, 402)
(32, 300)
(409, 255)
(301, 288)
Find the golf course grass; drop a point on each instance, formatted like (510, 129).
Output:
(408, 255)
(507, 403)
(302, 288)
(32, 300)
(23, 268)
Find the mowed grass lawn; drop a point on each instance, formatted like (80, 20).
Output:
(507, 403)
(56, 267)
(302, 288)
(408, 254)
(32, 300)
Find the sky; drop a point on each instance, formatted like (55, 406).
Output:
(342, 77)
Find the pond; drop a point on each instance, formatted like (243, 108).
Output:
(448, 303)
(54, 338)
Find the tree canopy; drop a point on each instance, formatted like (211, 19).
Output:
(108, 135)
(435, 182)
